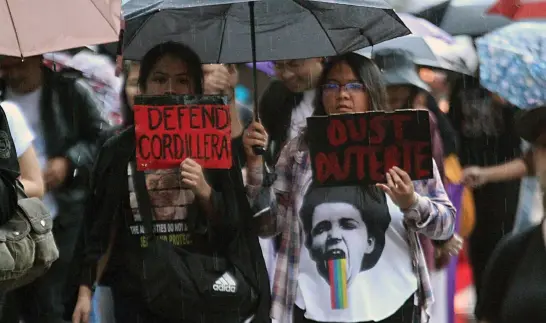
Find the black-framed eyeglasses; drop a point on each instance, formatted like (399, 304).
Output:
(349, 87)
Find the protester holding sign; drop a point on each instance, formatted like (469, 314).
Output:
(158, 220)
(349, 249)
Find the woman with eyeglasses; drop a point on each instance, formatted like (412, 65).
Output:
(373, 227)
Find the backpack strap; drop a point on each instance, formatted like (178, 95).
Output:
(144, 203)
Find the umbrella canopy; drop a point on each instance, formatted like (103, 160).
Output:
(513, 63)
(464, 17)
(428, 45)
(423, 27)
(285, 29)
(265, 67)
(520, 9)
(398, 68)
(36, 27)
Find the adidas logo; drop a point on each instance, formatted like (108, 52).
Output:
(226, 283)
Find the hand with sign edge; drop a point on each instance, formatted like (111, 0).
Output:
(254, 135)
(192, 176)
(399, 188)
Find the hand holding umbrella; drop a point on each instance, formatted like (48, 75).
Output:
(254, 136)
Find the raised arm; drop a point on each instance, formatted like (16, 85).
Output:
(271, 203)
(432, 213)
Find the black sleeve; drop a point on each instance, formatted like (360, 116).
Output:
(91, 125)
(498, 273)
(99, 216)
(94, 236)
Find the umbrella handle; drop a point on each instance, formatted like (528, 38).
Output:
(258, 150)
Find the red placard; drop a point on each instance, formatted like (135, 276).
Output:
(168, 134)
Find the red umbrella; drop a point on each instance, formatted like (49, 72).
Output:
(520, 9)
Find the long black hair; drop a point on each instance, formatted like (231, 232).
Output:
(176, 50)
(367, 73)
(450, 139)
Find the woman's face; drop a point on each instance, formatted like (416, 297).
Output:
(169, 76)
(131, 85)
(343, 92)
(399, 95)
(338, 231)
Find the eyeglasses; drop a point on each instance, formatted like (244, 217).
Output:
(349, 87)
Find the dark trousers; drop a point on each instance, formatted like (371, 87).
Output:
(403, 315)
(43, 300)
(131, 309)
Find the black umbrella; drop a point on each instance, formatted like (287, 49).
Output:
(463, 17)
(220, 30)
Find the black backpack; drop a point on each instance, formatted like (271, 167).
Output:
(179, 285)
(191, 287)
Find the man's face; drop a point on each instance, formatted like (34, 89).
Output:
(338, 231)
(539, 151)
(20, 74)
(299, 75)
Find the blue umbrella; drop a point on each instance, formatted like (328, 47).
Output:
(513, 63)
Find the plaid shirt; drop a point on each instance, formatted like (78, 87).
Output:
(432, 215)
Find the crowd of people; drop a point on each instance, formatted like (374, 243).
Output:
(399, 238)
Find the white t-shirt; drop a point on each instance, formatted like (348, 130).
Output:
(29, 104)
(341, 222)
(301, 113)
(20, 132)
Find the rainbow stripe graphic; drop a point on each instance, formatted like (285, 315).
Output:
(337, 271)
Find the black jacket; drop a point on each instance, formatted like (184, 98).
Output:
(105, 209)
(72, 124)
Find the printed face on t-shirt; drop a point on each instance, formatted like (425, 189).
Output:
(338, 231)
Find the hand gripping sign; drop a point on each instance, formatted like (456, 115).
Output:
(170, 129)
(359, 148)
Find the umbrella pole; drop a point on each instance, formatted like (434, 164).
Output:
(257, 149)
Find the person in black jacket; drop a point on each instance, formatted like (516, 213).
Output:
(191, 201)
(64, 115)
(486, 134)
(514, 284)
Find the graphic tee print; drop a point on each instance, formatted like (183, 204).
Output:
(355, 263)
(172, 205)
